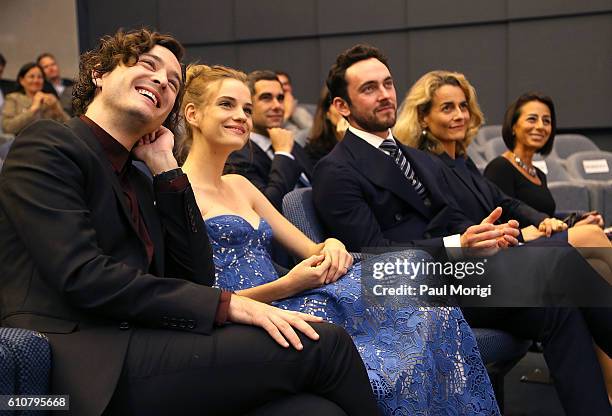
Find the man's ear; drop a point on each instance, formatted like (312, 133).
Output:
(341, 106)
(191, 113)
(96, 79)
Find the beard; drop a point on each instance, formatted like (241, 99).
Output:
(374, 122)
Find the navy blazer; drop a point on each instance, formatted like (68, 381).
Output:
(273, 177)
(477, 196)
(364, 199)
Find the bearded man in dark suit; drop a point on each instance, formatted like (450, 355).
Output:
(371, 191)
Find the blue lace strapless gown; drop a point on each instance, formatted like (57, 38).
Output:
(420, 360)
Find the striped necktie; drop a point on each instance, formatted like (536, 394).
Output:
(389, 146)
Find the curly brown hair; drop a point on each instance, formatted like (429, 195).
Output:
(125, 48)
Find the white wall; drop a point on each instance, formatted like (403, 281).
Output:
(29, 27)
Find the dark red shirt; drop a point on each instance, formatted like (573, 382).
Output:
(120, 159)
(121, 162)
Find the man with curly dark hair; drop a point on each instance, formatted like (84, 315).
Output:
(117, 272)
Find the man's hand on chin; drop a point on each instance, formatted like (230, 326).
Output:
(155, 150)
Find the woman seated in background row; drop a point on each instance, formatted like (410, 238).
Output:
(529, 127)
(441, 115)
(419, 359)
(29, 103)
(328, 128)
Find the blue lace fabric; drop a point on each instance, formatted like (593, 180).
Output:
(420, 360)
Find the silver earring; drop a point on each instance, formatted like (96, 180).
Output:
(424, 133)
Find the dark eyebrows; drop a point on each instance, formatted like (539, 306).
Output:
(175, 75)
(366, 84)
(536, 115)
(373, 82)
(268, 96)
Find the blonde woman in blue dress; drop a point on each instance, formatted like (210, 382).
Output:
(421, 360)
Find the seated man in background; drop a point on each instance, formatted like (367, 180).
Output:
(297, 117)
(270, 159)
(371, 191)
(117, 272)
(61, 87)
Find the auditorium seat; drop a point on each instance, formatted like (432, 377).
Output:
(474, 152)
(553, 168)
(594, 165)
(25, 362)
(570, 196)
(499, 350)
(568, 144)
(487, 133)
(494, 147)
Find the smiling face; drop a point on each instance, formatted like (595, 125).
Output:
(268, 105)
(373, 102)
(533, 127)
(32, 81)
(226, 118)
(144, 92)
(449, 117)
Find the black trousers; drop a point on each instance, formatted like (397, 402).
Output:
(241, 370)
(567, 335)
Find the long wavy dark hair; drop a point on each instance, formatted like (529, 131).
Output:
(322, 136)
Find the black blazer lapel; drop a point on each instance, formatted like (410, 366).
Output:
(303, 160)
(84, 132)
(467, 181)
(382, 170)
(259, 158)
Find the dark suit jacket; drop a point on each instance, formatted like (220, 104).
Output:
(65, 97)
(73, 266)
(477, 196)
(8, 86)
(364, 199)
(273, 177)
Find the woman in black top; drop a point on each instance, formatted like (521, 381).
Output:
(328, 128)
(529, 128)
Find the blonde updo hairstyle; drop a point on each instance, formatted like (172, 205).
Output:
(417, 105)
(201, 83)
